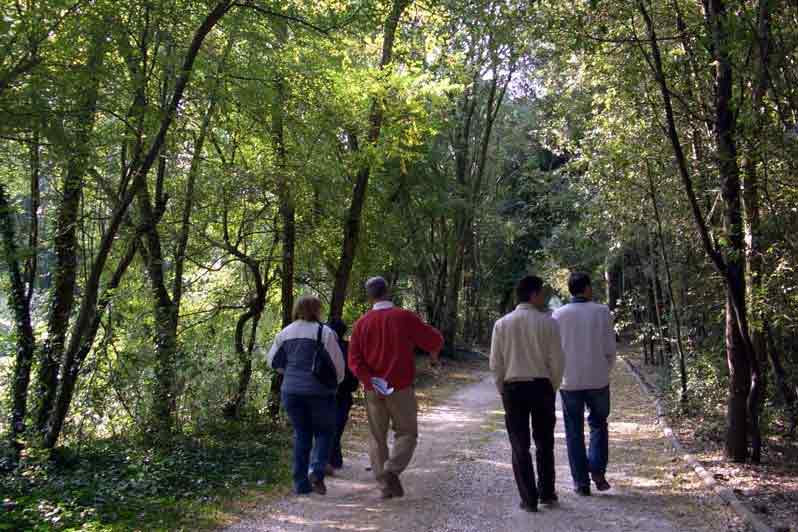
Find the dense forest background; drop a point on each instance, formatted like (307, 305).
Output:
(173, 173)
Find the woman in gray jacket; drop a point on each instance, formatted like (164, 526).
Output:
(308, 397)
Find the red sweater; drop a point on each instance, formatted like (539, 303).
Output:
(382, 345)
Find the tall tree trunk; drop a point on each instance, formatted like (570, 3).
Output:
(66, 230)
(729, 171)
(353, 217)
(166, 307)
(287, 208)
(751, 192)
(739, 349)
(287, 212)
(163, 398)
(20, 305)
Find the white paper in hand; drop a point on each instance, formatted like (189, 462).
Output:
(381, 385)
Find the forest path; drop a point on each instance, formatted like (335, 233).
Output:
(461, 480)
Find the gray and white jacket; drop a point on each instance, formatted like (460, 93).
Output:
(588, 340)
(297, 343)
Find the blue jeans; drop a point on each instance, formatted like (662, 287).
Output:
(313, 417)
(595, 460)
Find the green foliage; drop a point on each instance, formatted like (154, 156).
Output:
(114, 486)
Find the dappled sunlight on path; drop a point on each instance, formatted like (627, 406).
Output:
(461, 480)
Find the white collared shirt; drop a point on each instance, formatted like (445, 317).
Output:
(526, 345)
(383, 305)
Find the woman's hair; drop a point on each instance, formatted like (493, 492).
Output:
(308, 308)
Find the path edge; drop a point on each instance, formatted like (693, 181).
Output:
(726, 495)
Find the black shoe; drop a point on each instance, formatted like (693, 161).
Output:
(551, 500)
(317, 484)
(528, 508)
(584, 491)
(394, 484)
(601, 482)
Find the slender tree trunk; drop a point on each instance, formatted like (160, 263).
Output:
(66, 230)
(739, 389)
(675, 313)
(656, 291)
(287, 206)
(32, 264)
(287, 212)
(469, 173)
(232, 408)
(257, 303)
(353, 218)
(786, 394)
(20, 305)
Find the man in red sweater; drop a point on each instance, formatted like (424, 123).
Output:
(383, 346)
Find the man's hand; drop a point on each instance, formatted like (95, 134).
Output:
(435, 363)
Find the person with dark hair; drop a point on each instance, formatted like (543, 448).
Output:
(527, 362)
(308, 400)
(588, 340)
(382, 355)
(343, 399)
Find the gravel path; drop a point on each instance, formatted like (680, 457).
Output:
(461, 480)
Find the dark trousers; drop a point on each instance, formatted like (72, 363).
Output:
(522, 401)
(581, 461)
(313, 418)
(343, 405)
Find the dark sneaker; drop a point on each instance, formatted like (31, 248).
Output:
(393, 484)
(601, 482)
(528, 507)
(303, 490)
(317, 484)
(584, 491)
(550, 500)
(385, 490)
(329, 470)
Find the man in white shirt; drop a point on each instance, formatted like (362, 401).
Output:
(588, 340)
(527, 361)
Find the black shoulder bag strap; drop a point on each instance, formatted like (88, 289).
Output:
(323, 368)
(319, 343)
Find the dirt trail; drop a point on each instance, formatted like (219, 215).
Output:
(461, 480)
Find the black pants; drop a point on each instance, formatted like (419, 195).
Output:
(523, 400)
(343, 404)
